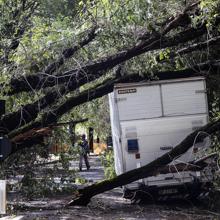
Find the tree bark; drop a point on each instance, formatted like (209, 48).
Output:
(84, 195)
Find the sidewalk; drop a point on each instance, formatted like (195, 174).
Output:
(95, 173)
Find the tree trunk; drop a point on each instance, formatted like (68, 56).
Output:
(84, 195)
(29, 112)
(98, 91)
(9, 121)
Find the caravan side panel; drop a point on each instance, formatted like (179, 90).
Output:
(158, 136)
(149, 119)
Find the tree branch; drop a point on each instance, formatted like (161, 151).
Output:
(30, 112)
(99, 67)
(199, 46)
(36, 81)
(69, 52)
(194, 47)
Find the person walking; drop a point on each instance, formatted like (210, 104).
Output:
(84, 151)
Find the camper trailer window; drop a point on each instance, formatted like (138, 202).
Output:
(133, 146)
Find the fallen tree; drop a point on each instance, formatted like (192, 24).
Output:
(30, 112)
(83, 196)
(99, 90)
(25, 118)
(29, 119)
(73, 79)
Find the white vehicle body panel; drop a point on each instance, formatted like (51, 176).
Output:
(158, 115)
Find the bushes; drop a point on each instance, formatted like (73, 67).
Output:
(108, 162)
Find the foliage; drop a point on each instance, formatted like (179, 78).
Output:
(80, 180)
(33, 186)
(57, 24)
(35, 33)
(38, 177)
(107, 160)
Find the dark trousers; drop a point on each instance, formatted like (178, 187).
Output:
(85, 157)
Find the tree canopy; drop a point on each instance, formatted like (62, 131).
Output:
(57, 55)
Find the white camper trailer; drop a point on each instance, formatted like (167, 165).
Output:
(148, 119)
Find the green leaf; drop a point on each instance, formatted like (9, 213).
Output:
(161, 57)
